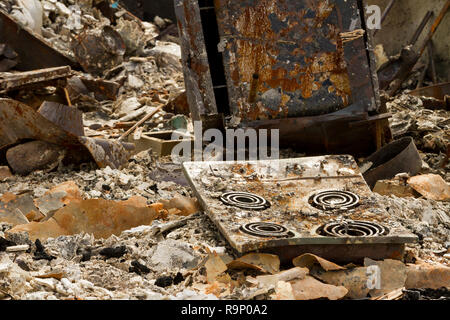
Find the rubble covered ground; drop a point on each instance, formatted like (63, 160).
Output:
(180, 254)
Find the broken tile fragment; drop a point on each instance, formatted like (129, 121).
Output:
(311, 289)
(13, 209)
(264, 262)
(354, 280)
(427, 276)
(308, 260)
(431, 186)
(172, 254)
(392, 275)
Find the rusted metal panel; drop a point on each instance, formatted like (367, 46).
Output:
(294, 201)
(68, 118)
(196, 69)
(32, 49)
(287, 59)
(20, 80)
(19, 122)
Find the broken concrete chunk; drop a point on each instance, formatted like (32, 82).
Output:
(431, 186)
(124, 107)
(135, 82)
(34, 155)
(173, 254)
(167, 53)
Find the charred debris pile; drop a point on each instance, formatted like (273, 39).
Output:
(93, 206)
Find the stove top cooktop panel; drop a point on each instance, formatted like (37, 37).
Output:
(304, 201)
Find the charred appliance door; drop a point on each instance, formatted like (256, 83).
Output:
(302, 66)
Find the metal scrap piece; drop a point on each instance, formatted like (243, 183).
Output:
(304, 67)
(68, 118)
(108, 153)
(15, 81)
(99, 50)
(33, 50)
(397, 157)
(18, 122)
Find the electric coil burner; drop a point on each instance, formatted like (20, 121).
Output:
(245, 200)
(266, 230)
(353, 229)
(319, 205)
(334, 199)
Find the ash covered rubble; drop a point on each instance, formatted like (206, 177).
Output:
(161, 245)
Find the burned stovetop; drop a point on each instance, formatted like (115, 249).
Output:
(312, 204)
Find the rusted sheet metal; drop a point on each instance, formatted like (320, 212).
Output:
(287, 58)
(99, 50)
(15, 81)
(68, 118)
(33, 51)
(397, 157)
(107, 152)
(196, 69)
(102, 89)
(18, 122)
(330, 133)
